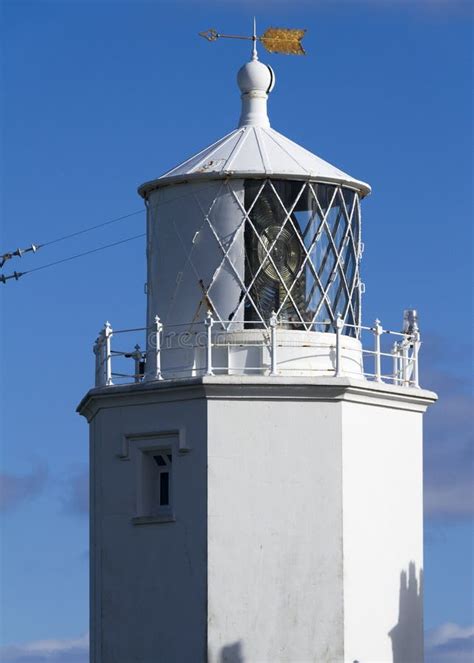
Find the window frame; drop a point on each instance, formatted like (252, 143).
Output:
(148, 480)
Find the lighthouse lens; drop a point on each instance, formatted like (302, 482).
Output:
(285, 254)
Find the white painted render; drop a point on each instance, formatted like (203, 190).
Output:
(275, 530)
(148, 582)
(382, 466)
(294, 518)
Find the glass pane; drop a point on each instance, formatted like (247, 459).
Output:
(349, 199)
(312, 294)
(338, 296)
(322, 322)
(339, 226)
(293, 240)
(274, 252)
(356, 307)
(164, 489)
(352, 267)
(349, 267)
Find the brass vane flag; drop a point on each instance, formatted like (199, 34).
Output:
(283, 40)
(275, 40)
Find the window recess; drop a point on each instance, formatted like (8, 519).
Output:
(154, 486)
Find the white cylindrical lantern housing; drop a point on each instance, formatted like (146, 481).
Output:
(251, 226)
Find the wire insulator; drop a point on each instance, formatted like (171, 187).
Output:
(15, 275)
(18, 253)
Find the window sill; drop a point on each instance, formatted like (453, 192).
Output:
(150, 520)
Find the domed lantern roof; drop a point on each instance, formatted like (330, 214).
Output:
(255, 149)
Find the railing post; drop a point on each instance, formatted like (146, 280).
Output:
(209, 322)
(273, 348)
(410, 371)
(405, 362)
(378, 331)
(416, 348)
(97, 352)
(339, 328)
(108, 331)
(395, 363)
(137, 357)
(158, 330)
(153, 355)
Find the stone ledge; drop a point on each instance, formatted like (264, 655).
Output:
(150, 520)
(246, 387)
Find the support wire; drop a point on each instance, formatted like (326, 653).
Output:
(16, 275)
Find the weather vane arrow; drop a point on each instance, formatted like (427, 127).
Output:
(274, 40)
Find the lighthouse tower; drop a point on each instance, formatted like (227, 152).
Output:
(256, 485)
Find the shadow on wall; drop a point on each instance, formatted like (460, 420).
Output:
(407, 635)
(232, 653)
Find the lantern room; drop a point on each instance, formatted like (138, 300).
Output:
(255, 226)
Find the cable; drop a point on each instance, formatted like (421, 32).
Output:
(17, 275)
(34, 247)
(85, 253)
(99, 225)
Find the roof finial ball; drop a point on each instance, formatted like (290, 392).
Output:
(255, 80)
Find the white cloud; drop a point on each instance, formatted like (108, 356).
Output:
(75, 650)
(450, 643)
(453, 500)
(446, 632)
(16, 488)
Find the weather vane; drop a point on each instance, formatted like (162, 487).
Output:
(275, 40)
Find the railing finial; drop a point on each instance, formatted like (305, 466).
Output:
(378, 331)
(209, 321)
(153, 358)
(273, 330)
(107, 335)
(339, 328)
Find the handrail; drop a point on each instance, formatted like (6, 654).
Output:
(403, 354)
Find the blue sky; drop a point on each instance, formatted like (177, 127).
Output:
(102, 96)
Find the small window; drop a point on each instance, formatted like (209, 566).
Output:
(155, 486)
(163, 487)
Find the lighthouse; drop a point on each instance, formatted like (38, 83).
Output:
(256, 463)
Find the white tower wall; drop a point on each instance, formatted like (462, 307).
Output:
(275, 529)
(148, 578)
(291, 526)
(382, 465)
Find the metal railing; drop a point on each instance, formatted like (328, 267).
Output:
(390, 356)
